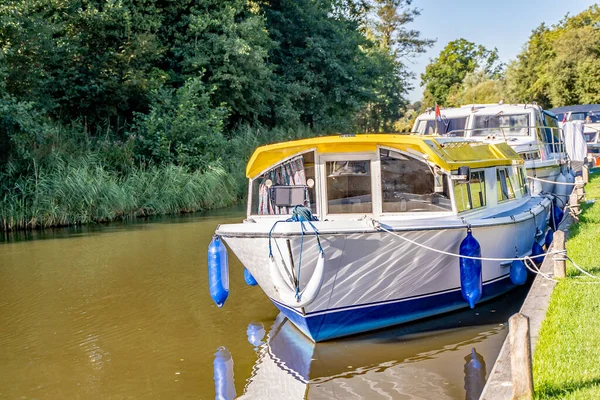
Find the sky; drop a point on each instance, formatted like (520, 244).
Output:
(505, 25)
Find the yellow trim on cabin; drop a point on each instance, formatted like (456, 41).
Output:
(447, 155)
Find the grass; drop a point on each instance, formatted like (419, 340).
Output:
(76, 190)
(566, 363)
(84, 191)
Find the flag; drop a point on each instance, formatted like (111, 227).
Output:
(438, 117)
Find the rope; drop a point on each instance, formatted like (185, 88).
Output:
(579, 268)
(548, 181)
(380, 227)
(300, 214)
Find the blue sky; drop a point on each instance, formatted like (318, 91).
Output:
(505, 25)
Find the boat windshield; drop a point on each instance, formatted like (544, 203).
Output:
(507, 124)
(349, 187)
(454, 126)
(284, 186)
(407, 185)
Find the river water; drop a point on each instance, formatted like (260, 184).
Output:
(123, 312)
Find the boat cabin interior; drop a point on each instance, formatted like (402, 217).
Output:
(382, 179)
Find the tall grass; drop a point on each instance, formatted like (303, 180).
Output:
(84, 191)
(72, 189)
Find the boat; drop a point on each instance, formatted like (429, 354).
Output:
(352, 233)
(530, 130)
(589, 115)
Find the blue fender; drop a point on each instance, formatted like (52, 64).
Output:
(218, 271)
(518, 272)
(537, 252)
(471, 285)
(250, 281)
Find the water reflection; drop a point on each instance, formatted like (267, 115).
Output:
(416, 361)
(256, 333)
(223, 370)
(475, 374)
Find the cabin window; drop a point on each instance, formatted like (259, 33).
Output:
(349, 187)
(288, 184)
(501, 124)
(451, 126)
(407, 185)
(523, 181)
(470, 195)
(552, 134)
(504, 187)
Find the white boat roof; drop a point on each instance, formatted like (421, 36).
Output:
(481, 109)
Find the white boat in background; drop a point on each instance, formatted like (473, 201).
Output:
(531, 131)
(589, 115)
(348, 234)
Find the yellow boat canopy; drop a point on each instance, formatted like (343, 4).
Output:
(448, 154)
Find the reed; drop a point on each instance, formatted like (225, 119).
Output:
(84, 191)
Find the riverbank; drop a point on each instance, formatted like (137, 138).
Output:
(75, 189)
(86, 192)
(565, 362)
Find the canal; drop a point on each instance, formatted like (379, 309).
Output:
(122, 311)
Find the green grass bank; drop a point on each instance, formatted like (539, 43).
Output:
(566, 363)
(82, 186)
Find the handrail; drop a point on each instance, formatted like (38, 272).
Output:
(552, 145)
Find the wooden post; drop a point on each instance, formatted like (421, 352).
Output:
(520, 356)
(574, 203)
(585, 173)
(579, 187)
(558, 244)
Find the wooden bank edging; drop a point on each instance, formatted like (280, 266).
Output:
(499, 384)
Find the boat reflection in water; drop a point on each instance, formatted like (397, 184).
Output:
(441, 358)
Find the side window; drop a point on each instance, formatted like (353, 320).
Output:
(504, 187)
(407, 185)
(477, 185)
(553, 136)
(461, 196)
(284, 186)
(523, 180)
(349, 187)
(470, 195)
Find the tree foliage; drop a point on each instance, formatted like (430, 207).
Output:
(156, 84)
(455, 61)
(560, 64)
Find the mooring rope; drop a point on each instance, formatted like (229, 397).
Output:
(526, 259)
(300, 214)
(379, 226)
(549, 181)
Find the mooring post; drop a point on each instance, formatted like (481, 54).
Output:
(585, 173)
(560, 267)
(579, 187)
(520, 356)
(574, 203)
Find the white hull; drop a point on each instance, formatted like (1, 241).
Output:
(366, 267)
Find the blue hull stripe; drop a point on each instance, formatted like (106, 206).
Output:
(331, 324)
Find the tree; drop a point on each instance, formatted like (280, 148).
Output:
(458, 58)
(393, 43)
(478, 88)
(560, 64)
